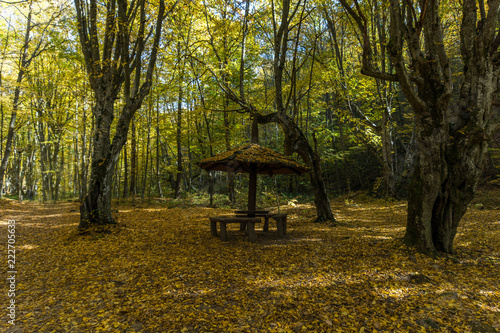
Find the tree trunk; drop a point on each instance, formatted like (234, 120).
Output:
(227, 137)
(109, 63)
(295, 141)
(148, 152)
(133, 162)
(125, 176)
(96, 206)
(451, 141)
(178, 138)
(84, 159)
(426, 185)
(59, 177)
(158, 173)
(387, 156)
(1, 122)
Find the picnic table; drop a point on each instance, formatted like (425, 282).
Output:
(247, 220)
(249, 223)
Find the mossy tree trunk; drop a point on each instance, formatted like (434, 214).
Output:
(451, 140)
(114, 65)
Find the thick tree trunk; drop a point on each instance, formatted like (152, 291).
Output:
(12, 127)
(443, 185)
(148, 152)
(114, 64)
(473, 125)
(425, 187)
(96, 206)
(453, 142)
(24, 62)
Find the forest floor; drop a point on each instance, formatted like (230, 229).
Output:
(160, 270)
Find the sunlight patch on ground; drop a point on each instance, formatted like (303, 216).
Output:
(64, 225)
(51, 216)
(490, 308)
(34, 224)
(307, 239)
(301, 280)
(376, 237)
(28, 247)
(396, 293)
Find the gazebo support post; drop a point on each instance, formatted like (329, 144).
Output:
(252, 192)
(252, 179)
(252, 188)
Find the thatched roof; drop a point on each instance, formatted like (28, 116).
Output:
(244, 158)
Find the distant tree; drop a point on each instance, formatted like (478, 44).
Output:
(452, 139)
(51, 100)
(120, 42)
(34, 42)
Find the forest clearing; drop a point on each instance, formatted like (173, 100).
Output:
(160, 270)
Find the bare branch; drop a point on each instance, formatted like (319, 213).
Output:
(368, 68)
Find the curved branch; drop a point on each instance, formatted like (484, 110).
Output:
(368, 68)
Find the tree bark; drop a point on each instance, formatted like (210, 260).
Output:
(133, 161)
(125, 167)
(227, 135)
(113, 65)
(447, 181)
(295, 141)
(96, 206)
(178, 136)
(148, 152)
(158, 173)
(387, 155)
(451, 141)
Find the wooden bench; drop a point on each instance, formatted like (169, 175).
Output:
(279, 218)
(224, 220)
(280, 223)
(254, 213)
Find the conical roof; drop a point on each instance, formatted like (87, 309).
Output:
(253, 156)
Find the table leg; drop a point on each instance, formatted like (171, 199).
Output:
(213, 228)
(252, 236)
(243, 226)
(266, 223)
(279, 225)
(223, 231)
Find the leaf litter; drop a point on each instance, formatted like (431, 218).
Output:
(160, 270)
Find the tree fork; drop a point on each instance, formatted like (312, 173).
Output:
(109, 65)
